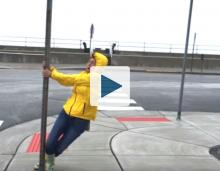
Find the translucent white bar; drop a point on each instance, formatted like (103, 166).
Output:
(120, 108)
(114, 94)
(114, 100)
(1, 122)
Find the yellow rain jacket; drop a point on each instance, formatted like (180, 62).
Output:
(78, 104)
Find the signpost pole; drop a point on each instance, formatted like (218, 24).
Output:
(194, 41)
(90, 40)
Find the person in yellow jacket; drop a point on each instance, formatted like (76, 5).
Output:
(77, 112)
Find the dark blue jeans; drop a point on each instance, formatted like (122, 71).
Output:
(65, 130)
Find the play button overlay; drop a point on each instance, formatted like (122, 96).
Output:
(108, 86)
(108, 82)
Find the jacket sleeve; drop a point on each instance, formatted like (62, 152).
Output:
(63, 79)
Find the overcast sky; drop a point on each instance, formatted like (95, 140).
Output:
(160, 21)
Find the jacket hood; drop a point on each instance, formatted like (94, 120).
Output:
(101, 60)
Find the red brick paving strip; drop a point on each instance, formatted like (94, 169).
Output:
(34, 145)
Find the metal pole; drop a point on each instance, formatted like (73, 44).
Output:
(80, 44)
(110, 54)
(26, 41)
(184, 61)
(194, 41)
(170, 48)
(90, 41)
(45, 86)
(202, 62)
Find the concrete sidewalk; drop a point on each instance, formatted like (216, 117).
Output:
(124, 140)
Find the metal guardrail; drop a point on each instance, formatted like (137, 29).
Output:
(120, 45)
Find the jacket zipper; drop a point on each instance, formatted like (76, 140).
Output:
(84, 106)
(73, 104)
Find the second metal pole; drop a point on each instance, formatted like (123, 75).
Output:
(184, 62)
(194, 41)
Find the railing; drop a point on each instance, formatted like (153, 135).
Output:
(120, 45)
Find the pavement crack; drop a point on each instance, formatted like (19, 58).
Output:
(202, 130)
(13, 155)
(113, 153)
(124, 125)
(165, 138)
(110, 127)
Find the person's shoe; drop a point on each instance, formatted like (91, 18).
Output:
(49, 163)
(36, 166)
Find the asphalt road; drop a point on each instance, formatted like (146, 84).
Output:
(21, 94)
(161, 92)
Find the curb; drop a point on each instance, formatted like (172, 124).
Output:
(5, 67)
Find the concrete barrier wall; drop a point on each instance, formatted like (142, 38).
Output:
(77, 56)
(169, 62)
(56, 58)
